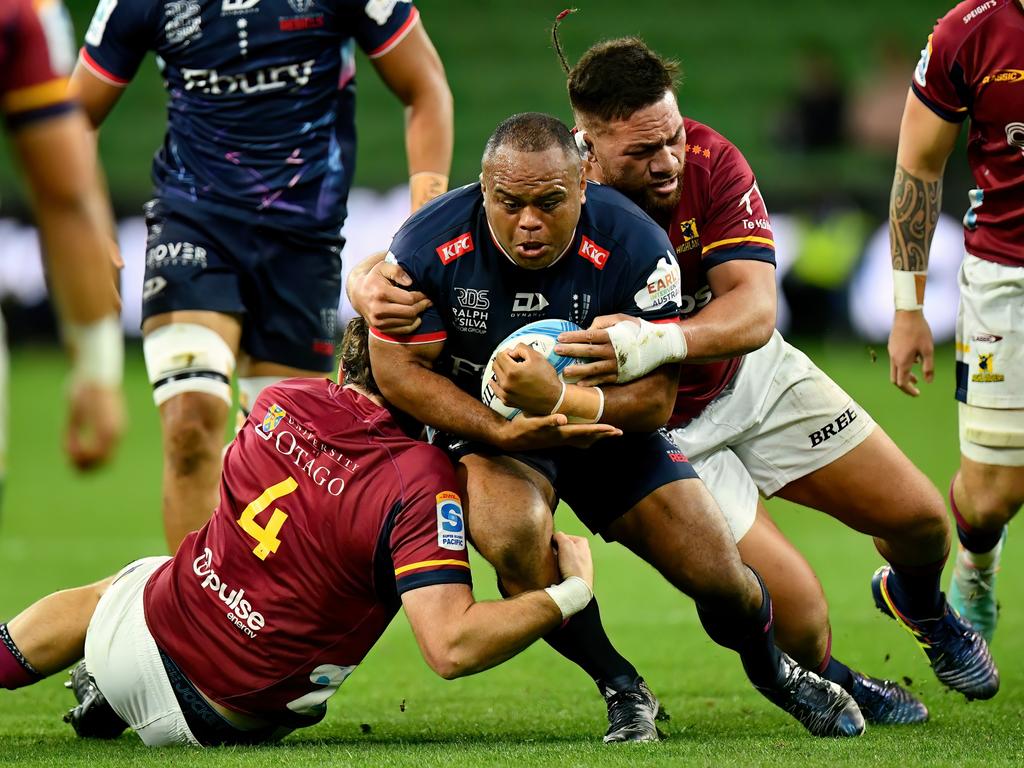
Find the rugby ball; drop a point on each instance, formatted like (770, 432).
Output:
(542, 335)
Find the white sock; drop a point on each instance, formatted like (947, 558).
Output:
(981, 560)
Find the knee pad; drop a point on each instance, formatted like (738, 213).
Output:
(992, 435)
(187, 357)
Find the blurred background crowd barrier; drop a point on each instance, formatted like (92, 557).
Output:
(811, 92)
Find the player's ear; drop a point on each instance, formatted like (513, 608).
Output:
(585, 146)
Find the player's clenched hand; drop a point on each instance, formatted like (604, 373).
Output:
(382, 298)
(574, 557)
(95, 424)
(910, 342)
(523, 378)
(529, 433)
(593, 345)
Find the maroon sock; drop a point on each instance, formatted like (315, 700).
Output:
(15, 671)
(973, 539)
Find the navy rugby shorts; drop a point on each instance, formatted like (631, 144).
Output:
(284, 284)
(601, 483)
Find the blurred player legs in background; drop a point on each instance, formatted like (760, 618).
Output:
(48, 135)
(967, 69)
(243, 260)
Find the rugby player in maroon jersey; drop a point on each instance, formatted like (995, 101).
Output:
(331, 518)
(754, 414)
(971, 67)
(48, 135)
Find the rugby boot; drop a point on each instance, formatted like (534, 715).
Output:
(958, 655)
(93, 718)
(883, 702)
(972, 591)
(631, 714)
(822, 707)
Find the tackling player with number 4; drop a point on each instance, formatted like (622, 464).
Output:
(257, 620)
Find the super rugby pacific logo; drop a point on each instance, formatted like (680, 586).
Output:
(450, 251)
(451, 525)
(593, 252)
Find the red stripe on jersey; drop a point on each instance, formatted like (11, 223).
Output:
(415, 338)
(99, 71)
(396, 38)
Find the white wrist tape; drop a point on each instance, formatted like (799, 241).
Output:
(908, 289)
(642, 347)
(98, 350)
(571, 596)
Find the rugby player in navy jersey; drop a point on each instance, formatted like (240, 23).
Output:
(755, 415)
(331, 518)
(535, 240)
(48, 135)
(243, 260)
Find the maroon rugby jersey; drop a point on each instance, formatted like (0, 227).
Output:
(721, 216)
(36, 57)
(973, 66)
(328, 513)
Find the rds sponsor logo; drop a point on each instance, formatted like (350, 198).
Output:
(451, 525)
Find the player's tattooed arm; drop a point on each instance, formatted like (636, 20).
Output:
(913, 213)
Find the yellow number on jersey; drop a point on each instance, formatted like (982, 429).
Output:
(266, 538)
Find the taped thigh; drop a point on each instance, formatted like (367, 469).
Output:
(188, 357)
(992, 435)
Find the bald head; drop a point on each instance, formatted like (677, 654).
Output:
(532, 132)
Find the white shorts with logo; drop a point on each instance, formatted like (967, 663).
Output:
(990, 362)
(779, 419)
(121, 654)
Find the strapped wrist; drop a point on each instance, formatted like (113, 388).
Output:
(571, 596)
(97, 351)
(908, 289)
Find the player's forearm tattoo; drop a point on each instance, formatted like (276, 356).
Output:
(913, 213)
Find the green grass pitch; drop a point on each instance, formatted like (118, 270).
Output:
(58, 530)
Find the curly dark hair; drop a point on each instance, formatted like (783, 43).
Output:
(615, 78)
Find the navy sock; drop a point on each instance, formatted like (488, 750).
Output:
(752, 637)
(973, 539)
(838, 673)
(15, 671)
(916, 591)
(583, 641)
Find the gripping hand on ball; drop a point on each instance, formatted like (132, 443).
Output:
(524, 379)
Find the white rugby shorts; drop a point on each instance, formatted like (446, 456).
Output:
(990, 362)
(121, 654)
(779, 419)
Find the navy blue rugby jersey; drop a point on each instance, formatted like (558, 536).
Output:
(619, 261)
(253, 97)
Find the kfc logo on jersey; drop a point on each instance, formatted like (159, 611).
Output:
(451, 527)
(450, 251)
(662, 286)
(240, 612)
(593, 252)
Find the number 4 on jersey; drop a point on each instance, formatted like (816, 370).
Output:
(266, 537)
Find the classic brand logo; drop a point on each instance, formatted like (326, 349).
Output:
(593, 252)
(450, 251)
